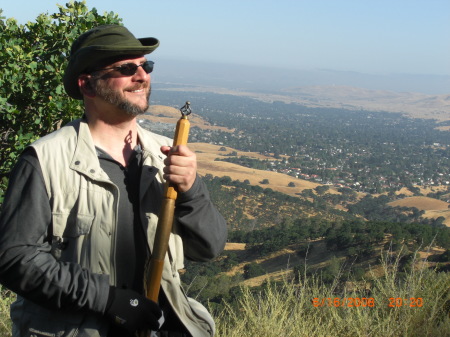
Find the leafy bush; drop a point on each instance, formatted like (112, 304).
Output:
(33, 57)
(253, 270)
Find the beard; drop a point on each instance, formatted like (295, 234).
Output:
(115, 98)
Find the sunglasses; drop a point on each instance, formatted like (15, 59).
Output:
(129, 69)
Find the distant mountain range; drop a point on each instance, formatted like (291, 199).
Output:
(416, 105)
(421, 96)
(276, 78)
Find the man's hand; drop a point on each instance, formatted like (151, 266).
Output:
(132, 311)
(181, 166)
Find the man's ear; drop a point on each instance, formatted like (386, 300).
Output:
(85, 85)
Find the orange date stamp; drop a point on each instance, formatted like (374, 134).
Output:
(343, 302)
(350, 302)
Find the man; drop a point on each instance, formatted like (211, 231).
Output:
(80, 213)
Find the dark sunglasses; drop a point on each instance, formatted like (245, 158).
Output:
(129, 69)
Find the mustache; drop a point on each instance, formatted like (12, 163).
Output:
(138, 87)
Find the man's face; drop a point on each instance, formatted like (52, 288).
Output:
(130, 93)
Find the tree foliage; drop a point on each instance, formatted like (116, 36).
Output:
(253, 270)
(33, 56)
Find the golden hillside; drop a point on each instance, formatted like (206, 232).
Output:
(433, 208)
(169, 115)
(422, 203)
(207, 153)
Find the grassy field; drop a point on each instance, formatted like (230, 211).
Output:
(281, 263)
(433, 208)
(6, 298)
(393, 305)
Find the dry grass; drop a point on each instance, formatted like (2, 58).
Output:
(436, 214)
(433, 208)
(207, 153)
(421, 203)
(289, 310)
(169, 115)
(230, 246)
(6, 298)
(281, 263)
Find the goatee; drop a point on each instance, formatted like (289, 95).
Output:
(113, 97)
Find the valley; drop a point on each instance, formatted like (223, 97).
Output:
(335, 178)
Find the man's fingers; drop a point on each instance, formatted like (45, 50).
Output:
(165, 150)
(181, 150)
(180, 166)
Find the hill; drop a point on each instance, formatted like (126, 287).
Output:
(422, 203)
(433, 208)
(207, 164)
(281, 263)
(169, 115)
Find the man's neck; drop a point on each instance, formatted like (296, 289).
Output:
(118, 138)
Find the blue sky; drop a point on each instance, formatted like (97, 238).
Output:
(374, 37)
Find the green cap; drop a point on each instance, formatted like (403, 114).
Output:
(99, 44)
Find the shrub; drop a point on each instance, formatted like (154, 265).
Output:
(33, 101)
(253, 270)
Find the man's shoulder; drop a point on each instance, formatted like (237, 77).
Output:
(60, 144)
(59, 136)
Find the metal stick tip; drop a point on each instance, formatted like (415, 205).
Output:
(186, 109)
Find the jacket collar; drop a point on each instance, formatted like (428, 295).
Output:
(85, 159)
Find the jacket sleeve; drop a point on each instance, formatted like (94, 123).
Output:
(203, 228)
(27, 266)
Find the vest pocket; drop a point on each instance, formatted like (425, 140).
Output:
(71, 224)
(70, 232)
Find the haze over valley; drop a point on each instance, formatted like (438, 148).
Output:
(419, 95)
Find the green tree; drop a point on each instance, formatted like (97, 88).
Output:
(34, 55)
(321, 189)
(253, 270)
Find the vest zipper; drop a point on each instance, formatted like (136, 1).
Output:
(113, 275)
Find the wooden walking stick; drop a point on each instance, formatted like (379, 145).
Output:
(165, 221)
